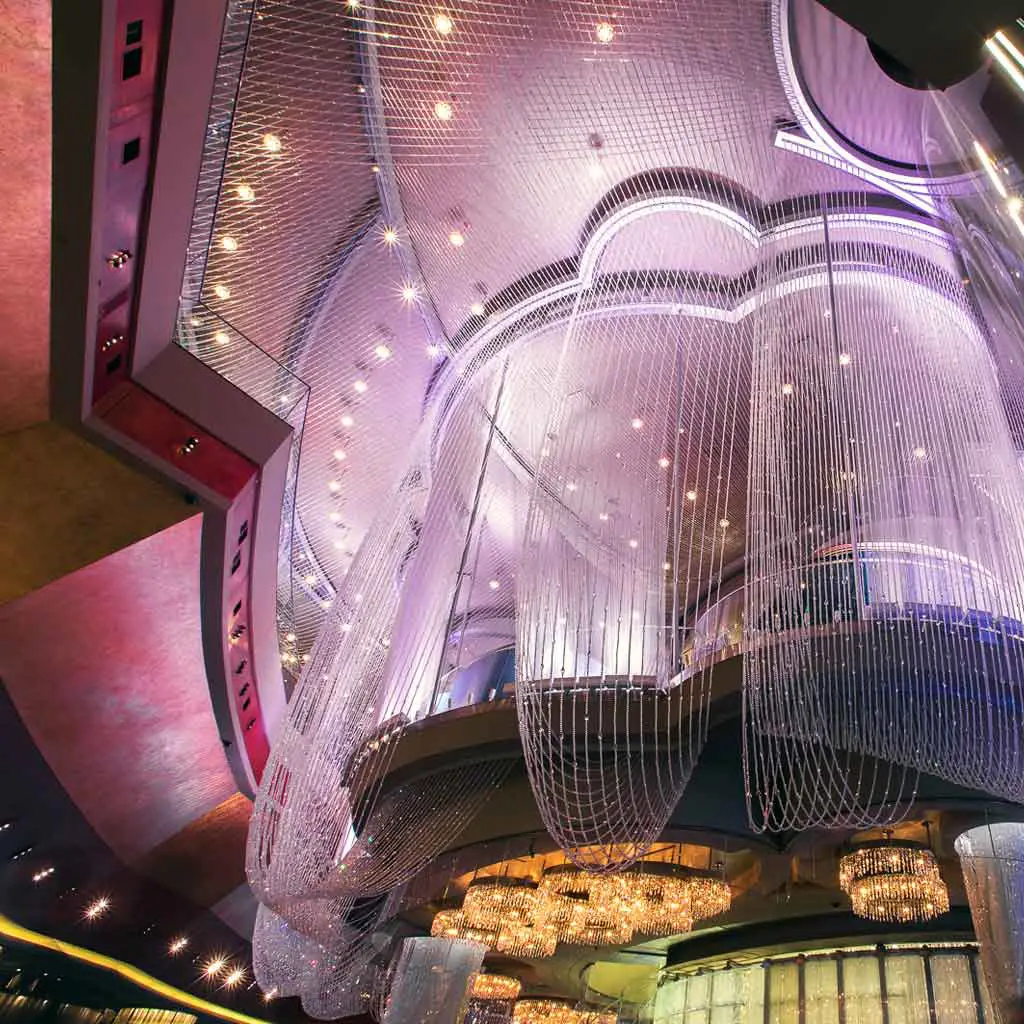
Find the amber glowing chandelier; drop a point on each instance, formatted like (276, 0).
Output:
(895, 881)
(556, 1011)
(587, 909)
(494, 986)
(452, 924)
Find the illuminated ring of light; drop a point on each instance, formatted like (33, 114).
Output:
(130, 973)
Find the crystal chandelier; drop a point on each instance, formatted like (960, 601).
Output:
(556, 1011)
(494, 986)
(587, 909)
(499, 903)
(895, 881)
(531, 942)
(451, 924)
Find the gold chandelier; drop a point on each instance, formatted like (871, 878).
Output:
(494, 986)
(895, 881)
(497, 903)
(531, 942)
(452, 924)
(556, 1011)
(586, 909)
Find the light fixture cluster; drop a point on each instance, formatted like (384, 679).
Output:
(556, 1011)
(895, 881)
(522, 918)
(491, 987)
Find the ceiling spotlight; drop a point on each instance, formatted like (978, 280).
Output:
(245, 193)
(335, 517)
(238, 975)
(325, 605)
(347, 421)
(664, 462)
(633, 542)
(290, 637)
(360, 386)
(457, 239)
(570, 486)
(214, 967)
(691, 495)
(494, 584)
(310, 579)
(443, 24)
(845, 358)
(177, 945)
(389, 236)
(352, 5)
(334, 486)
(477, 309)
(605, 32)
(39, 876)
(222, 291)
(339, 454)
(920, 453)
(723, 523)
(443, 110)
(787, 389)
(667, 566)
(433, 351)
(382, 351)
(603, 516)
(267, 996)
(271, 143)
(410, 293)
(222, 338)
(229, 244)
(97, 907)
(375, 168)
(637, 424)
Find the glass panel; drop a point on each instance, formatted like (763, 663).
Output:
(821, 992)
(953, 990)
(696, 1009)
(726, 997)
(784, 993)
(668, 1003)
(906, 990)
(862, 990)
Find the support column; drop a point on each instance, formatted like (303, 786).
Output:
(992, 858)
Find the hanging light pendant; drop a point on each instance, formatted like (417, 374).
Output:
(498, 903)
(451, 924)
(895, 881)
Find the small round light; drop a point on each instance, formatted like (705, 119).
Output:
(477, 309)
(214, 967)
(664, 462)
(723, 523)
(347, 421)
(375, 168)
(443, 24)
(920, 453)
(633, 542)
(222, 338)
(382, 352)
(595, 170)
(271, 143)
(325, 605)
(360, 386)
(787, 389)
(605, 32)
(443, 110)
(339, 454)
(691, 495)
(97, 907)
(335, 517)
(389, 236)
(457, 239)
(229, 244)
(845, 358)
(603, 516)
(433, 351)
(667, 566)
(177, 945)
(245, 193)
(290, 637)
(410, 293)
(570, 486)
(222, 291)
(637, 424)
(334, 486)
(494, 584)
(310, 579)
(267, 996)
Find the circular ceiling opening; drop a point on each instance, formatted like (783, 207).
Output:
(896, 69)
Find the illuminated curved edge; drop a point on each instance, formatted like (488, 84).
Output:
(822, 145)
(19, 933)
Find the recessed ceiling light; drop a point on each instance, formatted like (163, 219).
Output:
(787, 389)
(222, 291)
(457, 239)
(664, 462)
(595, 170)
(222, 338)
(477, 309)
(723, 523)
(267, 996)
(443, 23)
(667, 566)
(290, 637)
(382, 352)
(605, 32)
(637, 423)
(229, 244)
(347, 421)
(410, 293)
(845, 358)
(340, 455)
(920, 453)
(177, 945)
(271, 143)
(214, 967)
(333, 486)
(691, 495)
(335, 517)
(389, 236)
(494, 584)
(633, 542)
(433, 351)
(325, 605)
(360, 386)
(97, 907)
(603, 516)
(245, 193)
(339, 545)
(310, 579)
(570, 486)
(443, 110)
